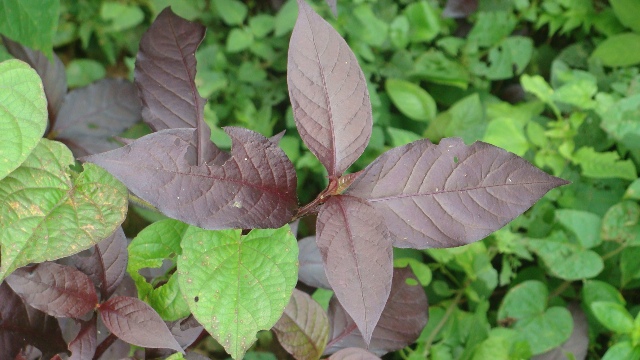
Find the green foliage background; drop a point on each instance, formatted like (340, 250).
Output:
(554, 81)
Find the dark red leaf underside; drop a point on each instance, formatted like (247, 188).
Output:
(255, 188)
(353, 354)
(135, 322)
(356, 250)
(449, 194)
(328, 93)
(108, 263)
(21, 325)
(403, 318)
(57, 290)
(303, 329)
(311, 270)
(91, 116)
(84, 345)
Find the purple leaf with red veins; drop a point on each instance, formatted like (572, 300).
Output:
(303, 329)
(57, 290)
(401, 322)
(356, 250)
(91, 116)
(311, 270)
(353, 354)
(135, 322)
(85, 344)
(108, 263)
(328, 93)
(449, 194)
(21, 324)
(255, 188)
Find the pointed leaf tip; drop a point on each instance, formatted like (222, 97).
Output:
(322, 73)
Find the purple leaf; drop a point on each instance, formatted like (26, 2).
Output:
(333, 4)
(353, 354)
(255, 188)
(135, 322)
(328, 93)
(459, 8)
(91, 116)
(449, 194)
(403, 318)
(108, 263)
(53, 75)
(57, 290)
(21, 325)
(165, 75)
(356, 249)
(311, 270)
(85, 343)
(303, 329)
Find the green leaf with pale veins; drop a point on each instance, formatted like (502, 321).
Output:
(238, 285)
(32, 23)
(48, 211)
(23, 113)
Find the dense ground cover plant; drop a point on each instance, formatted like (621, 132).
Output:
(578, 125)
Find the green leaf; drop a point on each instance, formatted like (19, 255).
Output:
(399, 32)
(627, 12)
(82, 72)
(566, 260)
(424, 21)
(621, 223)
(23, 113)
(364, 25)
(32, 23)
(434, 66)
(286, 18)
(629, 265)
(120, 16)
(420, 269)
(412, 100)
(544, 328)
(507, 134)
(619, 50)
(604, 165)
(596, 290)
(158, 242)
(577, 93)
(622, 350)
(621, 121)
(261, 25)
(585, 226)
(537, 85)
(492, 27)
(503, 343)
(468, 119)
(612, 315)
(633, 191)
(47, 211)
(400, 137)
(507, 59)
(238, 285)
(239, 39)
(232, 12)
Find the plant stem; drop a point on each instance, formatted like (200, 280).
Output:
(441, 324)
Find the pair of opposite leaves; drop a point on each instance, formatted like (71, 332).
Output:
(419, 195)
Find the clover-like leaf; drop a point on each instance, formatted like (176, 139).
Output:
(255, 188)
(237, 285)
(401, 322)
(48, 211)
(356, 250)
(135, 322)
(449, 194)
(311, 271)
(328, 93)
(23, 113)
(303, 329)
(85, 343)
(57, 290)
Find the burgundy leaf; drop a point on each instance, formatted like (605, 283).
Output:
(135, 322)
(333, 4)
(21, 325)
(356, 249)
(185, 331)
(353, 354)
(328, 93)
(449, 194)
(403, 318)
(303, 329)
(85, 343)
(108, 263)
(57, 290)
(311, 270)
(53, 75)
(459, 8)
(165, 75)
(91, 116)
(255, 188)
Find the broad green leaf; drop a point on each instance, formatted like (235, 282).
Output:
(633, 191)
(502, 343)
(364, 25)
(585, 225)
(82, 72)
(577, 93)
(507, 134)
(604, 165)
(286, 18)
(120, 16)
(621, 223)
(627, 12)
(468, 119)
(23, 113)
(614, 316)
(261, 25)
(537, 85)
(153, 245)
(399, 32)
(544, 328)
(401, 137)
(629, 264)
(232, 12)
(424, 21)
(621, 121)
(419, 268)
(239, 39)
(622, 350)
(412, 100)
(491, 27)
(619, 50)
(565, 259)
(434, 66)
(238, 285)
(47, 211)
(31, 23)
(506, 59)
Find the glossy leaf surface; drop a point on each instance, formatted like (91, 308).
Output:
(328, 93)
(449, 194)
(48, 211)
(237, 285)
(356, 250)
